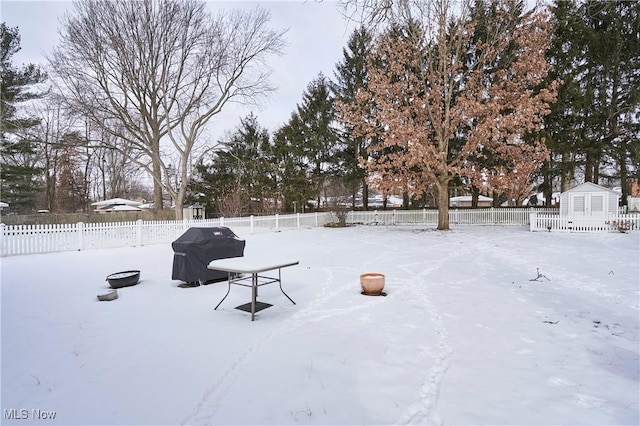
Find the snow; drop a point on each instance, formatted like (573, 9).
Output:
(464, 336)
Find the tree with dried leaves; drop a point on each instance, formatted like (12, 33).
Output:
(441, 99)
(154, 73)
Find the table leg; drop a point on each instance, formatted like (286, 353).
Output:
(254, 294)
(228, 290)
(280, 283)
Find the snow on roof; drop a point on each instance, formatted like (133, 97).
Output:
(119, 208)
(116, 201)
(591, 186)
(468, 198)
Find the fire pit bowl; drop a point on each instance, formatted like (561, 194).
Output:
(123, 279)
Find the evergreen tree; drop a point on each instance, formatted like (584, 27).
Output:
(320, 136)
(612, 84)
(289, 158)
(240, 172)
(561, 125)
(20, 179)
(593, 127)
(351, 78)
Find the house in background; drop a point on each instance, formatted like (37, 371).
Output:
(465, 201)
(3, 206)
(116, 205)
(589, 201)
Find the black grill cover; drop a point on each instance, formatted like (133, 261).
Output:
(194, 249)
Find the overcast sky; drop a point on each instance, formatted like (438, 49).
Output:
(317, 34)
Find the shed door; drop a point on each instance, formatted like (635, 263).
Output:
(597, 205)
(577, 204)
(592, 205)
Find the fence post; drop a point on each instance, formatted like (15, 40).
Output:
(139, 232)
(221, 220)
(251, 224)
(277, 222)
(80, 231)
(424, 215)
(298, 220)
(2, 249)
(185, 225)
(532, 220)
(317, 221)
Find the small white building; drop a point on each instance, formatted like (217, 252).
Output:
(195, 211)
(589, 201)
(466, 201)
(116, 205)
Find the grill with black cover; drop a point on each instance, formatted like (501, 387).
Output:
(194, 249)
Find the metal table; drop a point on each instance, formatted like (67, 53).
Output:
(236, 266)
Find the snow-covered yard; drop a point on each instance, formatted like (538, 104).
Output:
(464, 335)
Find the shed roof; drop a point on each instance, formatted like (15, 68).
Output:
(590, 186)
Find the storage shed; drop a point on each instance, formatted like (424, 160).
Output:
(589, 201)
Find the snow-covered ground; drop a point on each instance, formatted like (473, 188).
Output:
(464, 336)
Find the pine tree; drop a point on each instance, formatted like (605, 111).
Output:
(612, 83)
(289, 158)
(20, 179)
(239, 172)
(561, 128)
(320, 136)
(351, 79)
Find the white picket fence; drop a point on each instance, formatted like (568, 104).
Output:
(558, 223)
(31, 239)
(490, 216)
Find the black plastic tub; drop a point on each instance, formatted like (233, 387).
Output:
(123, 279)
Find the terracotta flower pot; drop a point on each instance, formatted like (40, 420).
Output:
(372, 283)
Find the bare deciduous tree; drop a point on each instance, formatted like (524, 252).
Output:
(154, 73)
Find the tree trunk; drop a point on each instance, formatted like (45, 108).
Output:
(443, 204)
(475, 195)
(496, 199)
(623, 176)
(365, 194)
(157, 185)
(547, 184)
(179, 202)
